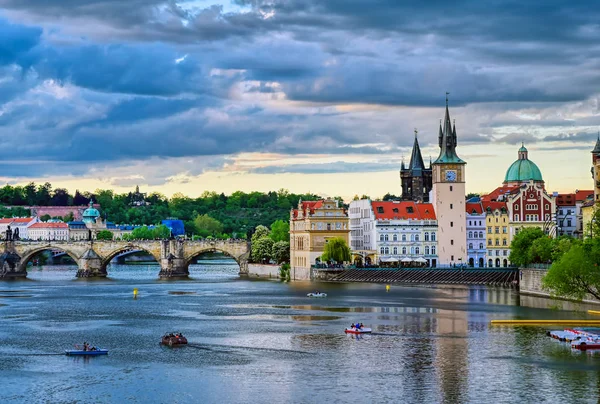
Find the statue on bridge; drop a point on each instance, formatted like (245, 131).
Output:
(8, 233)
(16, 234)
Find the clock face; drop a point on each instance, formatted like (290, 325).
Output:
(450, 175)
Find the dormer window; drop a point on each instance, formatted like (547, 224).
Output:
(409, 209)
(395, 210)
(380, 209)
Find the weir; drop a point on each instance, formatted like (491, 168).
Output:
(92, 257)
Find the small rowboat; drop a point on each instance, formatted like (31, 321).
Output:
(316, 294)
(363, 330)
(173, 340)
(79, 352)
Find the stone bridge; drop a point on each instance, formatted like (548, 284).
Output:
(92, 257)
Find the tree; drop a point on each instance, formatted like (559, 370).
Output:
(262, 249)
(60, 197)
(207, 226)
(68, 218)
(280, 231)
(104, 235)
(521, 243)
(576, 274)
(541, 250)
(472, 195)
(281, 252)
(79, 200)
(336, 250)
(390, 197)
(260, 232)
(45, 217)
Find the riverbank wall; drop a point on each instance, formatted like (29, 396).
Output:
(530, 283)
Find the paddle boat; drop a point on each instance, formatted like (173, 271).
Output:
(585, 343)
(316, 294)
(357, 330)
(93, 351)
(173, 339)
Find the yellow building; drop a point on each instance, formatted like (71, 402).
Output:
(312, 225)
(497, 235)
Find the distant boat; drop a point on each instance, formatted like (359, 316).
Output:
(79, 352)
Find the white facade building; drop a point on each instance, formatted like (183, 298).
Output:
(49, 231)
(393, 233)
(476, 244)
(21, 223)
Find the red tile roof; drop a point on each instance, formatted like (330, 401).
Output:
(581, 196)
(43, 225)
(24, 220)
(493, 205)
(6, 220)
(565, 200)
(474, 207)
(389, 210)
(309, 206)
(492, 196)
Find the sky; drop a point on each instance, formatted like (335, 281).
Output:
(317, 96)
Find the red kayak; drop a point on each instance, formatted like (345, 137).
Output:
(353, 330)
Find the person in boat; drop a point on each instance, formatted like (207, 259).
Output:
(85, 347)
(352, 326)
(358, 326)
(361, 326)
(93, 348)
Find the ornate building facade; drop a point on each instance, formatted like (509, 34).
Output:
(476, 239)
(416, 179)
(312, 225)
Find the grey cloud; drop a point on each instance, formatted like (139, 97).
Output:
(328, 168)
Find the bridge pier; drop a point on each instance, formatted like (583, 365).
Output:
(90, 265)
(172, 260)
(10, 263)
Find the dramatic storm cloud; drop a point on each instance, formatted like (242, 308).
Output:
(181, 94)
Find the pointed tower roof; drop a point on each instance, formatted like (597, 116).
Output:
(448, 141)
(416, 159)
(597, 147)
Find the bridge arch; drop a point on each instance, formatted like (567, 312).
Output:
(127, 247)
(190, 256)
(27, 255)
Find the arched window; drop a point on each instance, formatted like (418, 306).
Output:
(481, 247)
(516, 218)
(470, 246)
(412, 237)
(412, 250)
(470, 234)
(417, 250)
(432, 250)
(386, 237)
(382, 251)
(395, 251)
(404, 237)
(432, 236)
(480, 234)
(328, 226)
(426, 250)
(387, 250)
(426, 236)
(403, 250)
(381, 237)
(395, 237)
(416, 237)
(490, 263)
(498, 262)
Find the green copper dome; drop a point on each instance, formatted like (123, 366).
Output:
(523, 169)
(91, 214)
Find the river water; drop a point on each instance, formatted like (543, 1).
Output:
(257, 341)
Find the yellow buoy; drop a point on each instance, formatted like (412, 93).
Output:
(387, 288)
(135, 293)
(593, 311)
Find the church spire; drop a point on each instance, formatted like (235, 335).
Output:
(416, 159)
(447, 140)
(597, 147)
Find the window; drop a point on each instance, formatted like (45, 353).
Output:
(450, 188)
(504, 241)
(569, 223)
(432, 236)
(489, 229)
(497, 230)
(504, 230)
(516, 218)
(505, 253)
(481, 246)
(395, 210)
(395, 251)
(451, 242)
(395, 238)
(470, 223)
(426, 250)
(412, 250)
(480, 234)
(432, 250)
(382, 250)
(470, 246)
(489, 241)
(404, 237)
(380, 209)
(452, 258)
(427, 236)
(386, 237)
(409, 209)
(451, 206)
(417, 251)
(451, 224)
(381, 237)
(516, 207)
(416, 237)
(471, 234)
(328, 226)
(403, 250)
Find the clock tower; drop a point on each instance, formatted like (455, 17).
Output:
(448, 197)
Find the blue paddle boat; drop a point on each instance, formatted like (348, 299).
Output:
(79, 352)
